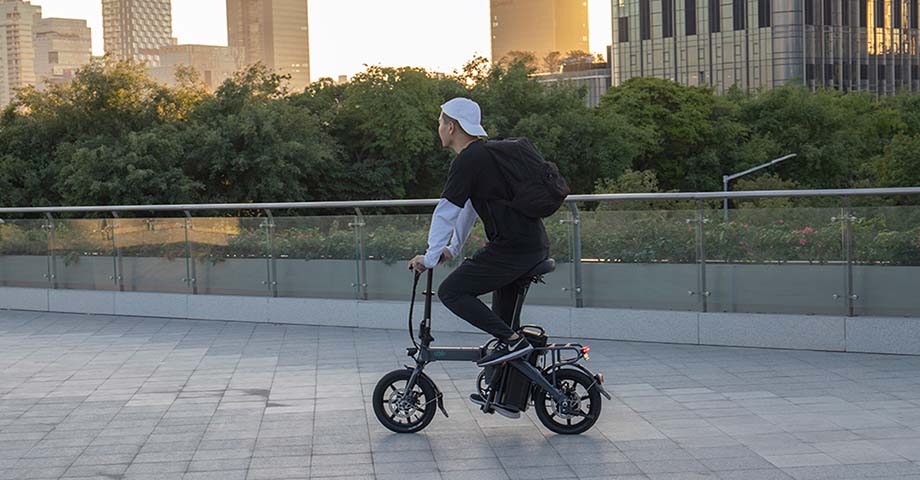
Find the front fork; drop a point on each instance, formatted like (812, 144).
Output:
(418, 372)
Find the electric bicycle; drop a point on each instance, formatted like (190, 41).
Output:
(565, 395)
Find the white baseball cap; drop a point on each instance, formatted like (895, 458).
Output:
(466, 112)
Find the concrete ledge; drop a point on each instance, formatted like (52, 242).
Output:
(313, 311)
(883, 335)
(81, 301)
(33, 299)
(225, 307)
(807, 332)
(142, 304)
(639, 325)
(556, 320)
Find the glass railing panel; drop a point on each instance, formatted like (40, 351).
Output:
(152, 255)
(641, 259)
(886, 260)
(316, 257)
(776, 260)
(84, 254)
(24, 254)
(390, 241)
(231, 255)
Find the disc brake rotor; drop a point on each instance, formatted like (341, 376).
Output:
(404, 407)
(572, 403)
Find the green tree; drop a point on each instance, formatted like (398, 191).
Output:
(900, 164)
(253, 143)
(386, 121)
(834, 134)
(42, 131)
(764, 181)
(552, 62)
(527, 59)
(681, 131)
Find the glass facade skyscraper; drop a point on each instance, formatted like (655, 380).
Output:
(852, 45)
(538, 26)
(274, 32)
(137, 29)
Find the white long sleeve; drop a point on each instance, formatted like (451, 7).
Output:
(443, 222)
(462, 229)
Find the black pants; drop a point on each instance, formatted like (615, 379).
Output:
(485, 272)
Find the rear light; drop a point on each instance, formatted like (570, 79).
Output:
(585, 349)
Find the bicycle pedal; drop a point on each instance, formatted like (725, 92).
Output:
(507, 413)
(494, 408)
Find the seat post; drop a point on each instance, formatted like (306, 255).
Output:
(518, 306)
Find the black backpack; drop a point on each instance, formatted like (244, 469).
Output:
(537, 187)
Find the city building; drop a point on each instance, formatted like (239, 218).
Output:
(17, 53)
(594, 76)
(62, 46)
(861, 45)
(538, 26)
(214, 64)
(137, 29)
(273, 32)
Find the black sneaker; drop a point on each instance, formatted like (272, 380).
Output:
(504, 352)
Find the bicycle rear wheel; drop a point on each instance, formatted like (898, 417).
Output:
(580, 409)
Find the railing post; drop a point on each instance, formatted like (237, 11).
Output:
(52, 267)
(848, 247)
(190, 267)
(576, 254)
(847, 218)
(701, 291)
(2, 282)
(701, 238)
(361, 285)
(271, 280)
(117, 265)
(1, 250)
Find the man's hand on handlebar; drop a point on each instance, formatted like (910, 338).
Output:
(417, 264)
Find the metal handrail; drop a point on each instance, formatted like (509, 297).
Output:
(432, 202)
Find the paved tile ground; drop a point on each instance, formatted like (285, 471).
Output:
(138, 398)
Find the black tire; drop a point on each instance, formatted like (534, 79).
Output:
(414, 416)
(579, 388)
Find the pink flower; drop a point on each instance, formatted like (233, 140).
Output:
(802, 241)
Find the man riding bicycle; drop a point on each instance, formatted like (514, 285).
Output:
(516, 242)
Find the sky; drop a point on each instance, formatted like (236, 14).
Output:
(347, 34)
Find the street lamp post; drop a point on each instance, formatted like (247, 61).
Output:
(728, 178)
